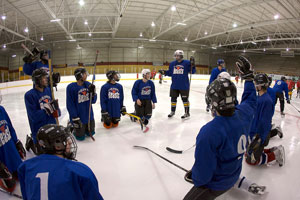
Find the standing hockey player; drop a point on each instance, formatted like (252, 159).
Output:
(298, 87)
(54, 174)
(214, 75)
(153, 74)
(219, 151)
(291, 87)
(279, 88)
(143, 94)
(41, 108)
(78, 102)
(11, 153)
(261, 128)
(179, 70)
(111, 100)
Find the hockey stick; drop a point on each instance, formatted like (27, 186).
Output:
(11, 193)
(26, 49)
(51, 82)
(295, 107)
(179, 151)
(145, 148)
(90, 106)
(140, 120)
(192, 61)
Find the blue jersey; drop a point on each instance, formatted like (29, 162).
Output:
(111, 99)
(142, 91)
(9, 154)
(221, 143)
(262, 121)
(78, 101)
(28, 68)
(37, 116)
(272, 94)
(281, 86)
(54, 178)
(179, 73)
(215, 73)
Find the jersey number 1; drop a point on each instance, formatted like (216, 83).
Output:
(44, 184)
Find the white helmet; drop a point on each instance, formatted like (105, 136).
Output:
(178, 52)
(145, 71)
(225, 75)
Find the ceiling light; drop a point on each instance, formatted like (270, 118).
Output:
(205, 33)
(86, 22)
(42, 38)
(3, 17)
(141, 34)
(152, 40)
(78, 47)
(152, 24)
(268, 39)
(73, 40)
(90, 34)
(181, 23)
(173, 8)
(264, 49)
(220, 45)
(241, 41)
(253, 42)
(214, 47)
(55, 20)
(140, 47)
(26, 30)
(81, 2)
(276, 16)
(193, 51)
(244, 51)
(287, 49)
(234, 25)
(13, 56)
(4, 46)
(185, 39)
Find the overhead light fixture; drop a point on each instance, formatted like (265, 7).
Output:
(13, 56)
(90, 34)
(205, 33)
(185, 39)
(181, 23)
(241, 41)
(214, 47)
(234, 25)
(264, 49)
(173, 8)
(55, 20)
(152, 40)
(3, 17)
(152, 24)
(81, 2)
(253, 42)
(220, 45)
(193, 51)
(86, 22)
(268, 39)
(26, 30)
(42, 38)
(4, 46)
(72, 40)
(141, 47)
(287, 49)
(141, 34)
(244, 51)
(276, 16)
(78, 47)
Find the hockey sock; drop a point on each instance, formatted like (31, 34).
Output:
(186, 104)
(173, 104)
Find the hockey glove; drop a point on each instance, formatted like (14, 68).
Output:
(92, 89)
(192, 60)
(288, 101)
(162, 72)
(123, 110)
(77, 123)
(188, 177)
(245, 68)
(21, 149)
(55, 78)
(52, 108)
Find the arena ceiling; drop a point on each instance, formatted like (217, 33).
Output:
(220, 25)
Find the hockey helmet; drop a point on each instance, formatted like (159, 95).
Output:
(111, 75)
(37, 76)
(78, 73)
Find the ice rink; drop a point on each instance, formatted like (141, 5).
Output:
(132, 174)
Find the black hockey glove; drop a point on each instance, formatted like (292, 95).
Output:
(245, 68)
(162, 72)
(192, 60)
(21, 149)
(188, 177)
(55, 78)
(52, 108)
(105, 116)
(288, 101)
(123, 110)
(4, 173)
(77, 123)
(92, 89)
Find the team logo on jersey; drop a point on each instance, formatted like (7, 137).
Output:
(83, 95)
(146, 90)
(43, 100)
(178, 69)
(279, 83)
(4, 133)
(113, 93)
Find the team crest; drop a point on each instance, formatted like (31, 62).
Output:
(178, 69)
(4, 133)
(83, 95)
(146, 90)
(43, 100)
(113, 93)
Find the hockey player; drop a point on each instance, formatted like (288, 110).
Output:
(41, 108)
(11, 153)
(279, 88)
(143, 94)
(179, 70)
(54, 174)
(298, 87)
(78, 102)
(261, 128)
(291, 87)
(153, 74)
(111, 100)
(220, 144)
(214, 75)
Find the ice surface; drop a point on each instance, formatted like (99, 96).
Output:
(132, 174)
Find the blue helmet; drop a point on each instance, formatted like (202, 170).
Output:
(220, 62)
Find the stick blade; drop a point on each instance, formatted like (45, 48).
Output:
(173, 150)
(139, 147)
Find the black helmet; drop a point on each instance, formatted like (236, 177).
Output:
(37, 76)
(262, 80)
(78, 73)
(221, 94)
(283, 78)
(111, 75)
(56, 139)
